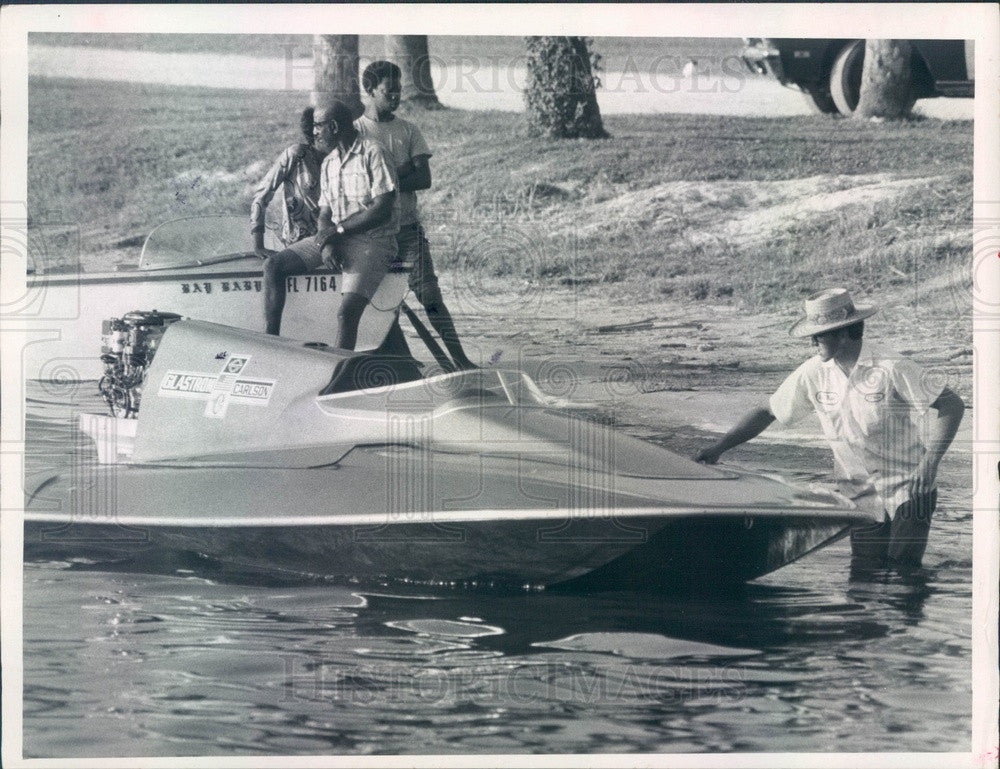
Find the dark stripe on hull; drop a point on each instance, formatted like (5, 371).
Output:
(644, 553)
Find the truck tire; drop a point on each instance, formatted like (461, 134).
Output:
(845, 77)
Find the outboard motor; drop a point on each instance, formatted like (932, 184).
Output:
(128, 346)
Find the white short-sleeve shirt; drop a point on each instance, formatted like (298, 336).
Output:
(872, 418)
(404, 142)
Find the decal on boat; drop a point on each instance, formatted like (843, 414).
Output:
(253, 390)
(183, 384)
(236, 363)
(218, 390)
(228, 388)
(218, 404)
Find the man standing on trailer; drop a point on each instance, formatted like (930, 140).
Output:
(867, 399)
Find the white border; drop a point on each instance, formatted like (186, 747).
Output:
(968, 21)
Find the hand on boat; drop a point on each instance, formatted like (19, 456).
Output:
(708, 456)
(264, 253)
(330, 257)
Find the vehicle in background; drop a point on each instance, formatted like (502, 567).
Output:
(828, 71)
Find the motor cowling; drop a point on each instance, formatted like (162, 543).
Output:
(128, 345)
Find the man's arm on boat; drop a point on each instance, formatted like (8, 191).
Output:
(258, 246)
(750, 426)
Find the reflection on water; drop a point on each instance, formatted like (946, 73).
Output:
(121, 663)
(181, 656)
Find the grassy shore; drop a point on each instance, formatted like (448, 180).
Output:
(724, 209)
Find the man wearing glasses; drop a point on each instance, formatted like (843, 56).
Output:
(357, 223)
(866, 398)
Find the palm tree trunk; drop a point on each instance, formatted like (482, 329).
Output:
(409, 53)
(335, 64)
(560, 93)
(886, 80)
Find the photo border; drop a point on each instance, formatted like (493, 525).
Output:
(967, 21)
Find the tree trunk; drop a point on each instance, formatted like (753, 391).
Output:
(886, 80)
(409, 53)
(335, 64)
(560, 94)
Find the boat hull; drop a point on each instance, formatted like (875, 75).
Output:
(380, 513)
(651, 552)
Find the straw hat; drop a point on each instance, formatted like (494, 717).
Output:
(828, 310)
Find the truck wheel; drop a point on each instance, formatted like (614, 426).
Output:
(820, 101)
(845, 77)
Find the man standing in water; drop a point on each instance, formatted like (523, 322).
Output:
(357, 223)
(866, 399)
(410, 155)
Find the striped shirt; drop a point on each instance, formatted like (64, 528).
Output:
(350, 183)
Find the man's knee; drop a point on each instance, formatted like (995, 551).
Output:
(274, 272)
(870, 545)
(351, 305)
(277, 268)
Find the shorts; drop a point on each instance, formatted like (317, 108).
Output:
(364, 261)
(414, 248)
(900, 541)
(307, 250)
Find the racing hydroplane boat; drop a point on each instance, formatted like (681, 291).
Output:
(272, 453)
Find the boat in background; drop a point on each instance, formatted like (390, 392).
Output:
(199, 267)
(264, 452)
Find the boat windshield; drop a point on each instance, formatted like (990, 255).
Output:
(511, 386)
(200, 240)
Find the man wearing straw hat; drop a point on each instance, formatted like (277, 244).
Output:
(868, 401)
